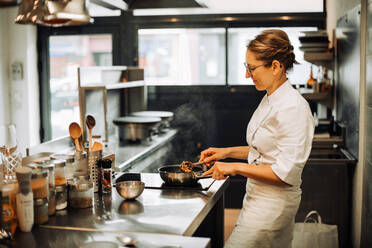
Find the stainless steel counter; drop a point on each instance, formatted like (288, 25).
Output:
(57, 238)
(155, 211)
(168, 212)
(126, 155)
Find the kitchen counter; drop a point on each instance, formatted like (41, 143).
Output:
(76, 238)
(127, 155)
(166, 211)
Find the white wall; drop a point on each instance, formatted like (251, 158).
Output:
(19, 102)
(335, 10)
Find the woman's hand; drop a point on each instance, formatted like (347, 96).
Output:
(220, 170)
(213, 154)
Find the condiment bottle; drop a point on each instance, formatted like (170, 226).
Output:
(311, 80)
(106, 176)
(25, 204)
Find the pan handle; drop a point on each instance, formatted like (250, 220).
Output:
(202, 177)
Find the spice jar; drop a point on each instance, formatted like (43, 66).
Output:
(61, 197)
(39, 183)
(60, 177)
(46, 164)
(41, 211)
(81, 163)
(69, 159)
(106, 176)
(81, 192)
(52, 201)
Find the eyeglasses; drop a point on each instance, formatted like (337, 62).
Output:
(250, 71)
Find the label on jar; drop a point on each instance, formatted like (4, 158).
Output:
(106, 181)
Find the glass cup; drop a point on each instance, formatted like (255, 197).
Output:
(11, 157)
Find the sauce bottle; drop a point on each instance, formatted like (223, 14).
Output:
(24, 199)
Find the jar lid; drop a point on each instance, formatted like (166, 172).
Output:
(40, 201)
(80, 155)
(59, 163)
(106, 163)
(48, 165)
(61, 188)
(39, 173)
(69, 158)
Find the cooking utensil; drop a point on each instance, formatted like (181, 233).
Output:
(135, 128)
(173, 175)
(187, 166)
(75, 133)
(130, 189)
(125, 240)
(91, 122)
(97, 146)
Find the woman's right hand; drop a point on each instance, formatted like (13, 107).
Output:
(212, 154)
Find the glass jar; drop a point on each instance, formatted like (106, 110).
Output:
(81, 163)
(61, 197)
(69, 158)
(81, 192)
(41, 211)
(39, 183)
(45, 165)
(52, 201)
(60, 177)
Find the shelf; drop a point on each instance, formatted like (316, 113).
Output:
(321, 59)
(324, 98)
(114, 86)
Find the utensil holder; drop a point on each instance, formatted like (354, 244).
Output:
(93, 157)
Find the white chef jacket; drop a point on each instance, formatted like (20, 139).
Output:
(280, 134)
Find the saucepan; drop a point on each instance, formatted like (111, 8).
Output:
(173, 175)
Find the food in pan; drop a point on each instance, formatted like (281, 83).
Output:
(186, 166)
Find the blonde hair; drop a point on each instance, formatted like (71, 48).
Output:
(273, 44)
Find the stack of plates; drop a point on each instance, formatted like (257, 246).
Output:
(314, 41)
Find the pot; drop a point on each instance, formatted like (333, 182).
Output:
(165, 116)
(136, 128)
(173, 175)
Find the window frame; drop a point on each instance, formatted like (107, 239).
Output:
(124, 30)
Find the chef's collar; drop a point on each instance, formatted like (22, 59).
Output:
(279, 92)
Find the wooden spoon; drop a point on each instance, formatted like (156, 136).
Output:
(97, 146)
(91, 122)
(75, 133)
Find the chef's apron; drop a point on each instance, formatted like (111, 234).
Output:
(268, 212)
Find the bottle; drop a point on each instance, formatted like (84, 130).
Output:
(106, 176)
(25, 203)
(311, 80)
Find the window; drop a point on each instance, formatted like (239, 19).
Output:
(183, 56)
(66, 53)
(238, 39)
(198, 56)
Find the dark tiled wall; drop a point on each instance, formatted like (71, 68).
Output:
(205, 115)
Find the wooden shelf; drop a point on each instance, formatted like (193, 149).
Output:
(121, 85)
(321, 59)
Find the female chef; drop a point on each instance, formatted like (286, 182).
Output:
(279, 137)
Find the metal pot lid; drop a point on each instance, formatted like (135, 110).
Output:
(136, 119)
(161, 114)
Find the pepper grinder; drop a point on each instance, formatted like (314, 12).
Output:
(25, 203)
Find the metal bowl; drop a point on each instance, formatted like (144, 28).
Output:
(130, 189)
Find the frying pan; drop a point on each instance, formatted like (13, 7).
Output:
(173, 175)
